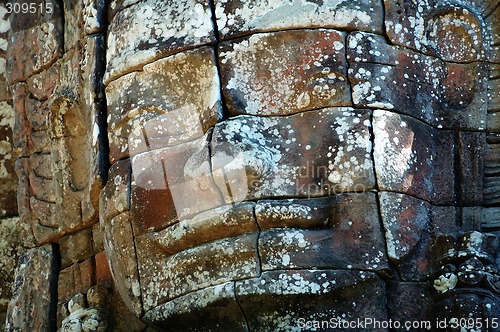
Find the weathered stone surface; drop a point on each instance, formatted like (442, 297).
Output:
(355, 240)
(38, 42)
(94, 15)
(287, 300)
(40, 141)
(115, 196)
(171, 101)
(410, 299)
(219, 223)
(445, 95)
(171, 184)
(311, 213)
(76, 278)
(73, 22)
(30, 307)
(410, 225)
(476, 306)
(21, 127)
(8, 179)
(285, 72)
(261, 157)
(43, 84)
(236, 17)
(121, 254)
(493, 117)
(471, 149)
(10, 249)
(414, 158)
(212, 307)
(160, 28)
(83, 316)
(76, 247)
(23, 203)
(491, 180)
(451, 32)
(4, 37)
(165, 277)
(116, 5)
(102, 270)
(490, 218)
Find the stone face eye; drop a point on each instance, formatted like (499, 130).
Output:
(454, 34)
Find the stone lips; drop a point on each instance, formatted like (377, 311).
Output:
(179, 260)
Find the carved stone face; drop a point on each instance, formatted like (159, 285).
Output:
(301, 162)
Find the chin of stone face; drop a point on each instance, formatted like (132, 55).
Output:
(230, 165)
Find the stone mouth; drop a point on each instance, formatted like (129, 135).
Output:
(244, 240)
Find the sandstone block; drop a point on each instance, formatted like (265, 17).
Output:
(354, 241)
(165, 277)
(218, 223)
(121, 255)
(261, 157)
(76, 247)
(410, 226)
(160, 29)
(281, 300)
(285, 72)
(410, 299)
(453, 33)
(471, 149)
(30, 307)
(94, 17)
(171, 184)
(212, 306)
(314, 213)
(10, 250)
(77, 278)
(102, 270)
(115, 196)
(235, 17)
(173, 100)
(491, 180)
(38, 42)
(40, 141)
(448, 95)
(43, 84)
(8, 178)
(412, 157)
(21, 130)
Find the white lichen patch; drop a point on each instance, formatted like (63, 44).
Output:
(445, 282)
(288, 242)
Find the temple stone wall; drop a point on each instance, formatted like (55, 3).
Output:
(233, 165)
(10, 238)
